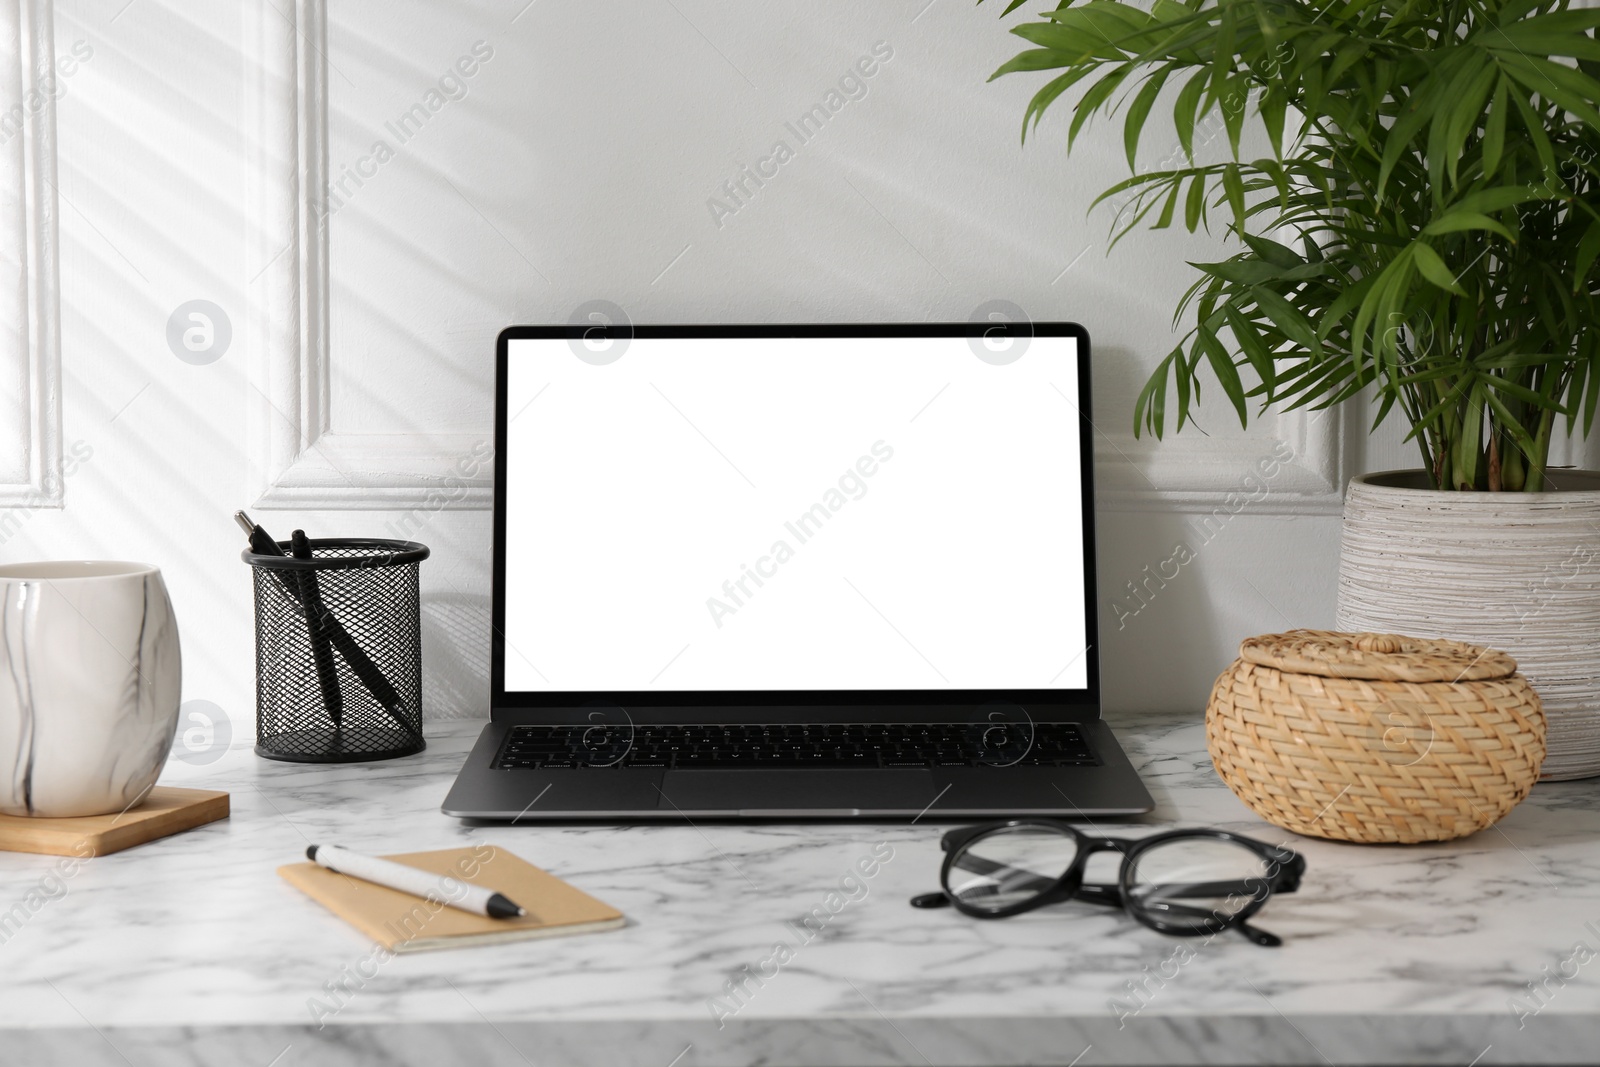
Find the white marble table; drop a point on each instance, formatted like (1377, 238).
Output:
(193, 951)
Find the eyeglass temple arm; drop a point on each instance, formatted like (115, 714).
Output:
(1111, 895)
(1254, 933)
(1249, 886)
(1108, 895)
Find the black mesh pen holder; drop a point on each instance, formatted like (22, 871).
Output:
(339, 651)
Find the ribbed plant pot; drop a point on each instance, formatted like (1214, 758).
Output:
(1513, 571)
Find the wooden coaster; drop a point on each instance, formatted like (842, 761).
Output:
(166, 811)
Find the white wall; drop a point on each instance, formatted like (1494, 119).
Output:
(576, 166)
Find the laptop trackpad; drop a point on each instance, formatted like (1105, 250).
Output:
(781, 791)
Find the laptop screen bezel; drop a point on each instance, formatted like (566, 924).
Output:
(1071, 703)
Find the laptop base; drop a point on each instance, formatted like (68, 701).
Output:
(482, 791)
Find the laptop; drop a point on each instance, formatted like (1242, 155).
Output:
(796, 572)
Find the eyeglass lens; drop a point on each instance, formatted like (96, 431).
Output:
(1010, 866)
(1196, 882)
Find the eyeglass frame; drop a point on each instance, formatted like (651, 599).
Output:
(1285, 869)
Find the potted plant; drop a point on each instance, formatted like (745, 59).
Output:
(1421, 232)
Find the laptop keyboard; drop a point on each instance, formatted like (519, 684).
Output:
(1045, 744)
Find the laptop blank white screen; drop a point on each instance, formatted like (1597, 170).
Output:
(793, 514)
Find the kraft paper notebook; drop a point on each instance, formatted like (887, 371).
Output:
(405, 923)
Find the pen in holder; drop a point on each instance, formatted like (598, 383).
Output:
(338, 648)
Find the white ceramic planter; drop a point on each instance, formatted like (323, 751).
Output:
(1513, 571)
(89, 686)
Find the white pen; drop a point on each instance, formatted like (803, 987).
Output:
(419, 883)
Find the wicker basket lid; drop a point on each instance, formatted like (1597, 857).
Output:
(1377, 657)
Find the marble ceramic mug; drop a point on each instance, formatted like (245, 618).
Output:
(90, 676)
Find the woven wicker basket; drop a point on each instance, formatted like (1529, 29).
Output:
(1375, 737)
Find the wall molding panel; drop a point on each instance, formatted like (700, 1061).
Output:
(30, 328)
(1306, 451)
(300, 458)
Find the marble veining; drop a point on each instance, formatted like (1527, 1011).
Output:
(191, 950)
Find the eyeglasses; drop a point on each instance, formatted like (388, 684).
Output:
(1183, 882)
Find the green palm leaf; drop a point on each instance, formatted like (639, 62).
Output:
(1444, 184)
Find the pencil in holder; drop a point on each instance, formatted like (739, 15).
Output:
(339, 651)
